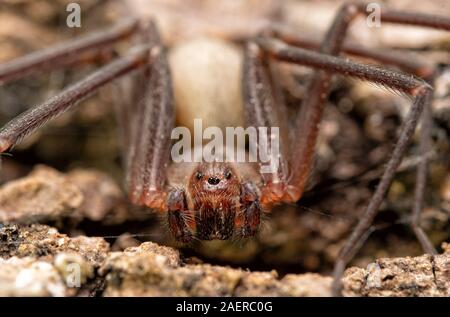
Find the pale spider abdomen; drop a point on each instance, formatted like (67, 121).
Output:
(206, 79)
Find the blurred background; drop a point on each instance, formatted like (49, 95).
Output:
(358, 130)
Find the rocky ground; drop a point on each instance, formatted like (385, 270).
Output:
(37, 260)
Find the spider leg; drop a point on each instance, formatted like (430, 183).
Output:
(31, 120)
(411, 63)
(147, 154)
(263, 109)
(419, 89)
(310, 114)
(152, 123)
(180, 226)
(130, 95)
(82, 49)
(333, 45)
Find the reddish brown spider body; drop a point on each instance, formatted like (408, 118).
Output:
(220, 200)
(216, 204)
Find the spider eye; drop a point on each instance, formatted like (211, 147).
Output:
(228, 174)
(199, 175)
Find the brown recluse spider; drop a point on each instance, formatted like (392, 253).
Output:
(219, 200)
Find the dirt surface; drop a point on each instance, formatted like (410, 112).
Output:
(425, 275)
(36, 260)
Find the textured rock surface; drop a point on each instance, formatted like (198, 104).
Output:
(105, 199)
(151, 270)
(44, 195)
(289, 240)
(44, 242)
(29, 277)
(424, 275)
(356, 138)
(38, 261)
(48, 195)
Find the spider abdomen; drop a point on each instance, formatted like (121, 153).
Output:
(206, 77)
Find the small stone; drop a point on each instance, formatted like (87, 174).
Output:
(258, 284)
(44, 242)
(308, 285)
(419, 276)
(43, 195)
(73, 268)
(105, 196)
(29, 277)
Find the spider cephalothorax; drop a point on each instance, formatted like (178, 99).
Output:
(216, 204)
